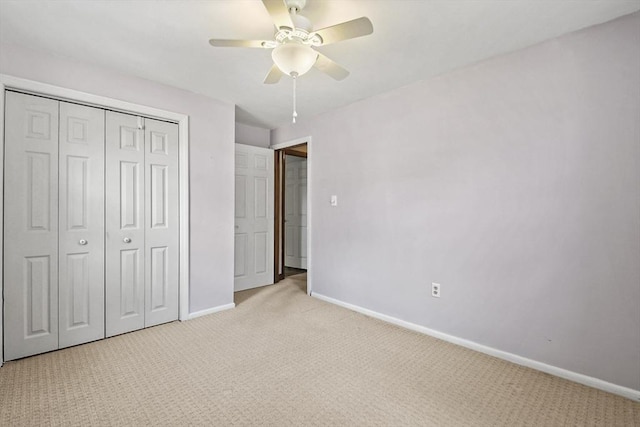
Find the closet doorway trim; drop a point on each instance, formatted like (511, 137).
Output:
(63, 94)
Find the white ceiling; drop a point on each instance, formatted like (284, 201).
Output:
(167, 41)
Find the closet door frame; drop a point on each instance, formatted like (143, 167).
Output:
(63, 94)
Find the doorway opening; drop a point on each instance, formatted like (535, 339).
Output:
(291, 211)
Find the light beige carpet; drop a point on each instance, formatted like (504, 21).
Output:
(283, 358)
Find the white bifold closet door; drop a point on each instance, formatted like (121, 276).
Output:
(91, 224)
(54, 225)
(81, 225)
(142, 223)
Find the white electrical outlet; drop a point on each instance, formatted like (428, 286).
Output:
(435, 290)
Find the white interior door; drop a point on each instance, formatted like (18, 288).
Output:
(30, 225)
(253, 260)
(125, 223)
(81, 224)
(161, 219)
(295, 201)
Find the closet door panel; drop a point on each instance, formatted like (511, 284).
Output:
(161, 222)
(125, 224)
(30, 225)
(81, 247)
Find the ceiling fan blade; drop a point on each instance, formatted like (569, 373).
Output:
(347, 30)
(279, 13)
(331, 68)
(273, 76)
(240, 43)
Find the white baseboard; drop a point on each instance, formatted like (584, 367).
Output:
(210, 311)
(629, 393)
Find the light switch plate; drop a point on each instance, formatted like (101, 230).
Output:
(334, 200)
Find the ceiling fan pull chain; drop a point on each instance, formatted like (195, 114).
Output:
(295, 113)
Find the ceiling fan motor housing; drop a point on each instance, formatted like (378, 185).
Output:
(301, 22)
(302, 33)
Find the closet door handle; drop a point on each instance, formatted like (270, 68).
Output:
(82, 242)
(127, 240)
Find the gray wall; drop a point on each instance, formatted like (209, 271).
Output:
(252, 135)
(513, 183)
(211, 157)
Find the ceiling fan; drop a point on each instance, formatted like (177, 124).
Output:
(293, 52)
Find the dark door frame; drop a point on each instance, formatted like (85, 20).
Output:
(278, 214)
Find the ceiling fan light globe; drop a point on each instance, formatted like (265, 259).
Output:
(294, 58)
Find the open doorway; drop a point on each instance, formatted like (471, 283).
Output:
(291, 258)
